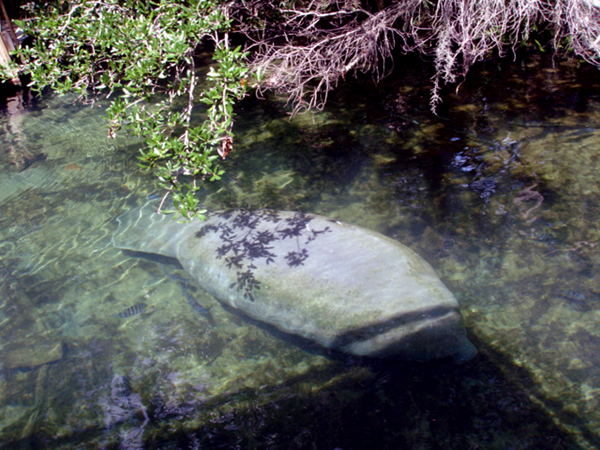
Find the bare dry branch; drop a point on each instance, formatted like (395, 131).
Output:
(311, 45)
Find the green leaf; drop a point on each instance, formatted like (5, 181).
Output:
(130, 51)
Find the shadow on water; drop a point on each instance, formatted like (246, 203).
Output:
(368, 404)
(395, 406)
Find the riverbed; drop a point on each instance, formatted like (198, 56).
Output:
(498, 191)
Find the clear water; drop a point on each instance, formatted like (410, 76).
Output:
(499, 192)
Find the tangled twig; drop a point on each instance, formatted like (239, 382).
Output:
(305, 50)
(529, 193)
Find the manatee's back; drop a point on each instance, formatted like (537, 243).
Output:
(143, 230)
(340, 285)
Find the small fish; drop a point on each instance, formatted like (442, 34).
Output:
(138, 308)
(577, 300)
(186, 290)
(544, 237)
(199, 308)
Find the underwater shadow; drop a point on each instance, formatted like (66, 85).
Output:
(379, 404)
(353, 404)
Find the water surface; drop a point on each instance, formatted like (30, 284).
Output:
(499, 192)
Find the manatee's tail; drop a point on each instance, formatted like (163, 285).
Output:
(144, 230)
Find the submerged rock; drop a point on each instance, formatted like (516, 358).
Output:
(340, 285)
(33, 352)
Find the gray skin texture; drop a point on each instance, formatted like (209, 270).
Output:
(340, 285)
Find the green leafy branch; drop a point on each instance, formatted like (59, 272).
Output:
(140, 53)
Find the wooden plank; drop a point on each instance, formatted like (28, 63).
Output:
(8, 44)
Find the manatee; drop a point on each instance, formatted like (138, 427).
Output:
(340, 285)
